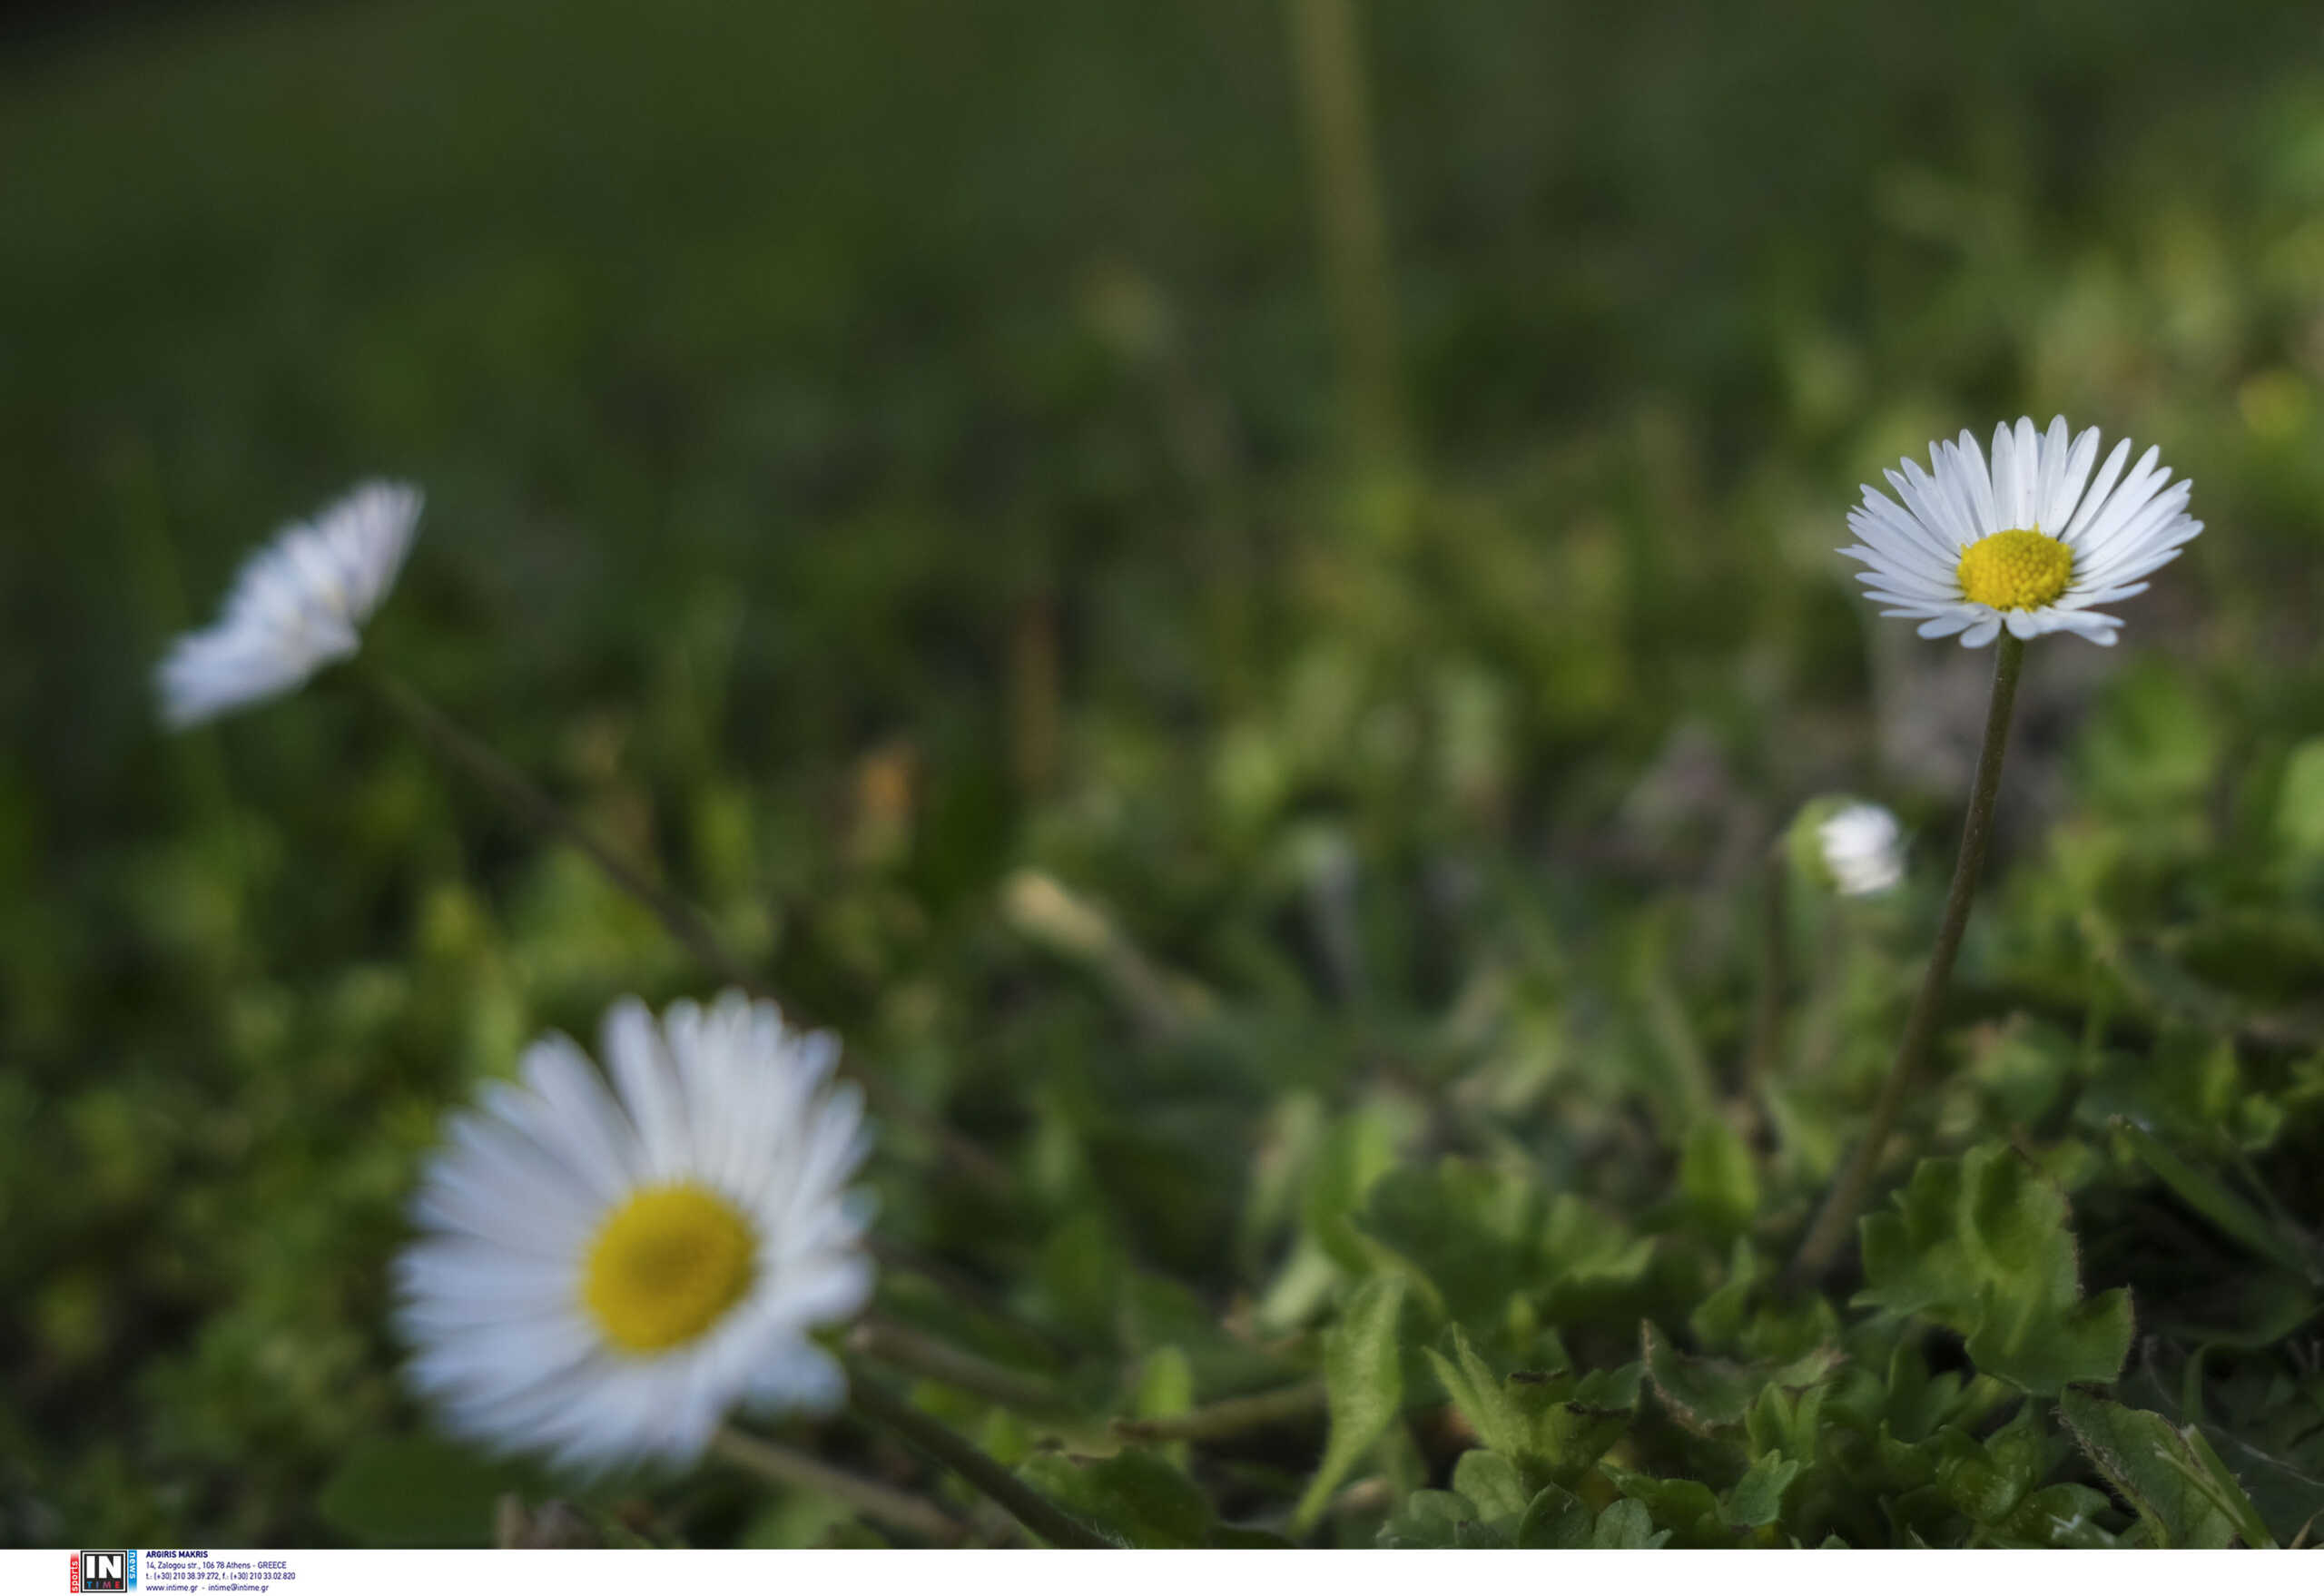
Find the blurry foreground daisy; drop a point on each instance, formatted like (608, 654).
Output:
(1864, 848)
(2032, 545)
(606, 1271)
(298, 605)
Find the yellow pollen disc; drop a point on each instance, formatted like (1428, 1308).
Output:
(2015, 570)
(666, 1266)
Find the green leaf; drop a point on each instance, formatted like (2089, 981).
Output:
(1490, 1482)
(1555, 1521)
(417, 1490)
(1356, 1152)
(1988, 1479)
(1718, 1178)
(1134, 1492)
(1469, 1228)
(1980, 1244)
(2273, 1446)
(1711, 1393)
(1685, 1508)
(1756, 1499)
(2210, 1197)
(1553, 1425)
(1627, 1526)
(2044, 1347)
(2183, 1494)
(1363, 1383)
(1429, 1520)
(2064, 1515)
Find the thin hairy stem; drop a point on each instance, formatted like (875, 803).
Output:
(1036, 1511)
(903, 1347)
(685, 922)
(899, 1510)
(1840, 1208)
(1233, 1416)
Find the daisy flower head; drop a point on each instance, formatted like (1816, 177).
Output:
(1863, 847)
(298, 605)
(606, 1268)
(2034, 542)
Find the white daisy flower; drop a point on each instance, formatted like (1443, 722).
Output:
(606, 1272)
(2033, 545)
(298, 605)
(1864, 848)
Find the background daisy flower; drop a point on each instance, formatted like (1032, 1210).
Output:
(1863, 847)
(606, 1272)
(2032, 545)
(298, 605)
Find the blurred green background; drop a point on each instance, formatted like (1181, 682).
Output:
(875, 449)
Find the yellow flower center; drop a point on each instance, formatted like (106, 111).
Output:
(666, 1266)
(2015, 570)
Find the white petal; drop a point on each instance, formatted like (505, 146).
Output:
(490, 1296)
(295, 606)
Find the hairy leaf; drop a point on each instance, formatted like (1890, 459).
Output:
(1980, 1244)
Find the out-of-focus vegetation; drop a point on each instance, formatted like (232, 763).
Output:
(895, 463)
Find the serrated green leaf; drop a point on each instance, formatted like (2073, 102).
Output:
(1981, 1244)
(1364, 1385)
(1988, 1479)
(1688, 1509)
(1711, 1393)
(1490, 1482)
(2043, 1347)
(1627, 1526)
(1555, 1521)
(1553, 1426)
(2174, 1481)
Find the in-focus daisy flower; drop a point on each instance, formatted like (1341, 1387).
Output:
(2033, 545)
(606, 1270)
(1864, 848)
(298, 603)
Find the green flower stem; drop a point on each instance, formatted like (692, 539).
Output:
(1848, 1192)
(1036, 1511)
(903, 1347)
(1233, 1416)
(899, 1510)
(682, 920)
